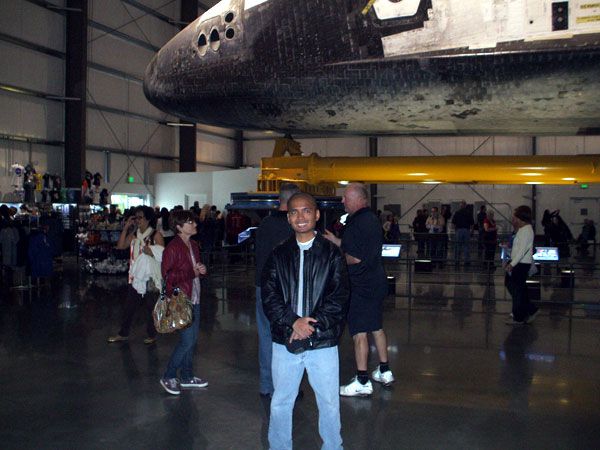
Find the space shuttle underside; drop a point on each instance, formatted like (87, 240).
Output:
(386, 67)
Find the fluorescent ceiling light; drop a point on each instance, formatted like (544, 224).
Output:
(180, 124)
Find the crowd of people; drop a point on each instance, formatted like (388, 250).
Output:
(30, 239)
(309, 286)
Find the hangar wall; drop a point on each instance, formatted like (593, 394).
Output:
(569, 199)
(125, 134)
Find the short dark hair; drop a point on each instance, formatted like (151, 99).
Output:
(523, 213)
(286, 191)
(179, 217)
(305, 196)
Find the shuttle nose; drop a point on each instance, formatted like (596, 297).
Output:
(151, 81)
(170, 71)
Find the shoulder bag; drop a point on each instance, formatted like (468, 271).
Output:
(172, 312)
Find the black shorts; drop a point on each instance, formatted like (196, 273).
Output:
(365, 313)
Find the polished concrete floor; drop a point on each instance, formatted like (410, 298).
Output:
(464, 379)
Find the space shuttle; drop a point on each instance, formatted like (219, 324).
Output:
(386, 67)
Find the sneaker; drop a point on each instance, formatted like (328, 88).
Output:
(195, 382)
(532, 317)
(149, 340)
(514, 322)
(386, 377)
(356, 389)
(117, 338)
(171, 385)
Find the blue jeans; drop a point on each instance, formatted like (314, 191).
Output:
(323, 367)
(463, 236)
(182, 357)
(265, 346)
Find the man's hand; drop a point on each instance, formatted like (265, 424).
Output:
(508, 268)
(302, 328)
(147, 250)
(351, 260)
(332, 238)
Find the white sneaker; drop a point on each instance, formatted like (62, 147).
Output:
(386, 377)
(356, 389)
(195, 382)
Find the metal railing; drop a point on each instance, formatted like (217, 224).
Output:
(416, 282)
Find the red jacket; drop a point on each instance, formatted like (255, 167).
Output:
(177, 268)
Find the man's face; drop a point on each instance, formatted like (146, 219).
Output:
(302, 215)
(351, 200)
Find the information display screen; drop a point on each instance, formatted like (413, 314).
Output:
(391, 250)
(545, 254)
(245, 234)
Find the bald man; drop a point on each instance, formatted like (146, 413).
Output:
(361, 245)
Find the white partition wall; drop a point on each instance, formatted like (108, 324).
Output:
(213, 187)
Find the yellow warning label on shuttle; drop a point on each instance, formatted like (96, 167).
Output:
(588, 19)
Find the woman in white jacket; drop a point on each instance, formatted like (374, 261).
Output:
(517, 268)
(145, 244)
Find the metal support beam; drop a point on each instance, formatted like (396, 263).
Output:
(238, 160)
(151, 11)
(75, 87)
(202, 5)
(373, 153)
(189, 12)
(187, 149)
(534, 188)
(125, 37)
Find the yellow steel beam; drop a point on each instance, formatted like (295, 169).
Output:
(315, 170)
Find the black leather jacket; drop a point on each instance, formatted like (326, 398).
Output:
(326, 291)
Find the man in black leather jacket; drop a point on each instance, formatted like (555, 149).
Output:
(305, 295)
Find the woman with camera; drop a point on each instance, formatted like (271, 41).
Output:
(140, 237)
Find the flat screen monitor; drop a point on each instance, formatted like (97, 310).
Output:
(545, 254)
(245, 234)
(391, 250)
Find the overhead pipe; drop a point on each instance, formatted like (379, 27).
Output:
(533, 170)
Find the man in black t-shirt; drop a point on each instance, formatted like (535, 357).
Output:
(361, 245)
(463, 225)
(273, 230)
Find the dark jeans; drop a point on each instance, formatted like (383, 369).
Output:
(265, 347)
(132, 303)
(182, 357)
(516, 283)
(436, 246)
(421, 239)
(490, 251)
